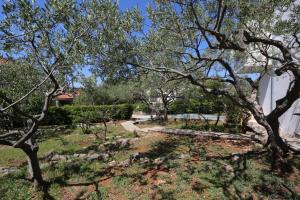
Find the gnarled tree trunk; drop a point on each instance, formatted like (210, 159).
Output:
(34, 166)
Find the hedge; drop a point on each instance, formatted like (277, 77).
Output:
(69, 114)
(194, 106)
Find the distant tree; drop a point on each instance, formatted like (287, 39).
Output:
(106, 93)
(157, 92)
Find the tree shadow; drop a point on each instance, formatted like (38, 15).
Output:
(242, 173)
(46, 133)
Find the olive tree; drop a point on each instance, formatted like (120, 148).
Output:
(216, 39)
(49, 40)
(158, 93)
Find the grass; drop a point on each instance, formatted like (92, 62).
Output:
(185, 173)
(66, 141)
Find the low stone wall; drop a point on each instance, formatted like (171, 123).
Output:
(211, 135)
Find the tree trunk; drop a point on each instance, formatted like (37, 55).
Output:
(218, 119)
(34, 169)
(105, 130)
(271, 124)
(274, 124)
(165, 114)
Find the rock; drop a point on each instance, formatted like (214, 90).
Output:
(118, 144)
(123, 143)
(183, 156)
(112, 163)
(236, 157)
(7, 170)
(125, 163)
(49, 156)
(104, 156)
(94, 156)
(228, 169)
(136, 156)
(145, 161)
(76, 155)
(56, 157)
(159, 161)
(82, 156)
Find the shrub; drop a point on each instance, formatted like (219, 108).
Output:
(141, 107)
(195, 106)
(233, 115)
(76, 113)
(57, 116)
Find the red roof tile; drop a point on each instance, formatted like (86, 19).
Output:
(64, 97)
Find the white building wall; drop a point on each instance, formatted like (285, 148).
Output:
(272, 88)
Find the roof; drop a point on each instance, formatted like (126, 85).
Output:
(3, 61)
(65, 97)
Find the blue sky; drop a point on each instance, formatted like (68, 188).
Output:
(124, 5)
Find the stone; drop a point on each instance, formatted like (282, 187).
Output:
(82, 155)
(49, 156)
(118, 144)
(228, 169)
(94, 156)
(125, 163)
(7, 170)
(64, 157)
(159, 161)
(183, 156)
(136, 156)
(112, 163)
(104, 156)
(56, 157)
(236, 157)
(145, 161)
(123, 143)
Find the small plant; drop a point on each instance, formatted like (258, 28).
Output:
(85, 120)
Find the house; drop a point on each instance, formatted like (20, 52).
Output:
(272, 88)
(66, 98)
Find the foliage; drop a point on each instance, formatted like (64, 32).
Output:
(105, 94)
(225, 48)
(155, 91)
(141, 107)
(205, 106)
(233, 115)
(57, 116)
(16, 79)
(79, 113)
(216, 128)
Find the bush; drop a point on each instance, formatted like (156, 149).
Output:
(74, 113)
(57, 116)
(233, 115)
(195, 106)
(141, 107)
(218, 128)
